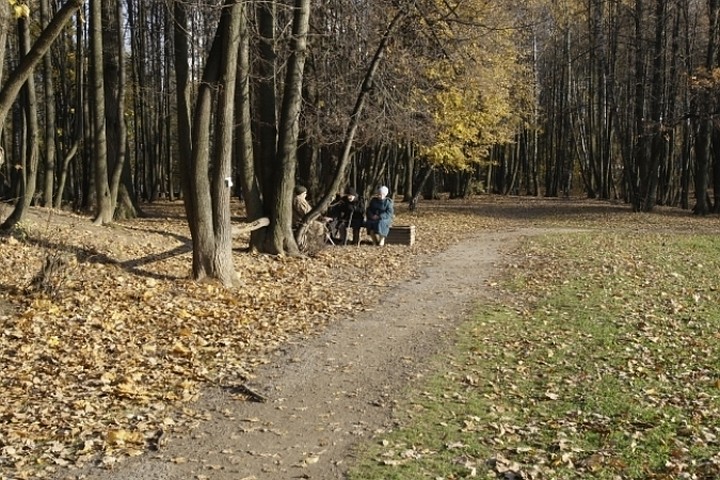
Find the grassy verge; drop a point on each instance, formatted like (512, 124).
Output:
(606, 366)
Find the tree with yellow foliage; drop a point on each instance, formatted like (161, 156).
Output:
(472, 89)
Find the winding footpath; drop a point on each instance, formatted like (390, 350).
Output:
(327, 393)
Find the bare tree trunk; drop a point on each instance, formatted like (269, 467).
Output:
(104, 208)
(208, 202)
(203, 239)
(409, 173)
(244, 146)
(704, 133)
(4, 26)
(687, 127)
(281, 239)
(49, 103)
(640, 155)
(184, 124)
(114, 80)
(28, 182)
(222, 263)
(712, 63)
(78, 126)
(265, 93)
(650, 177)
(349, 138)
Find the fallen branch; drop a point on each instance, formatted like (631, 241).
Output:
(261, 222)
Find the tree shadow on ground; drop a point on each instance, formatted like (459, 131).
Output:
(545, 208)
(92, 255)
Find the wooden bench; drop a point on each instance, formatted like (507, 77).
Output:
(401, 235)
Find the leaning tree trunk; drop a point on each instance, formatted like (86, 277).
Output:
(420, 186)
(28, 182)
(349, 138)
(11, 87)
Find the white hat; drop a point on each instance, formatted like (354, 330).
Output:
(383, 191)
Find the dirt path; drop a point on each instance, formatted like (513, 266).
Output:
(326, 393)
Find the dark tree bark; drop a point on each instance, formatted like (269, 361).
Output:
(222, 263)
(362, 98)
(658, 134)
(266, 103)
(207, 201)
(104, 208)
(704, 134)
(29, 123)
(50, 124)
(249, 185)
(18, 78)
(115, 88)
(281, 237)
(74, 129)
(640, 155)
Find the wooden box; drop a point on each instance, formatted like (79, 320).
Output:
(401, 235)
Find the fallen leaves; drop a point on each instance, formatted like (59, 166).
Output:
(107, 365)
(96, 365)
(600, 360)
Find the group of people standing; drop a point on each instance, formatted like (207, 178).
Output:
(348, 211)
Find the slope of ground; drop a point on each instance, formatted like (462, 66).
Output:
(125, 355)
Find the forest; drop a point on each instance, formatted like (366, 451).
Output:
(106, 106)
(557, 158)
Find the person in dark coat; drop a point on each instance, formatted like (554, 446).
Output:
(348, 211)
(380, 213)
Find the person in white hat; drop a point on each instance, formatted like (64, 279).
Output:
(380, 213)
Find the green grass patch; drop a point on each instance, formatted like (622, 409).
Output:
(607, 366)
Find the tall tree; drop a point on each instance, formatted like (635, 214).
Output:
(104, 207)
(281, 238)
(29, 132)
(702, 102)
(250, 186)
(12, 86)
(207, 199)
(49, 105)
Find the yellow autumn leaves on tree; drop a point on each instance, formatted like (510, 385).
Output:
(20, 9)
(475, 89)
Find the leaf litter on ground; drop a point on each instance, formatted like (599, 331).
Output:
(599, 359)
(112, 356)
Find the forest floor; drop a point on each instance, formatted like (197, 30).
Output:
(125, 369)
